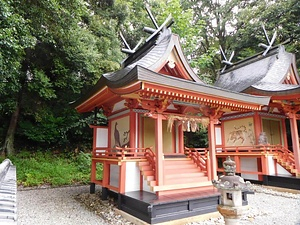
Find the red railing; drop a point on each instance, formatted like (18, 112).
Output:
(282, 153)
(199, 156)
(119, 153)
(151, 158)
(277, 150)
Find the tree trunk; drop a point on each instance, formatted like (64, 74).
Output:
(8, 148)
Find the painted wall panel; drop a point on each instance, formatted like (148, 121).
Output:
(114, 175)
(239, 132)
(249, 164)
(102, 137)
(282, 171)
(167, 138)
(132, 177)
(218, 135)
(146, 187)
(271, 164)
(120, 132)
(149, 135)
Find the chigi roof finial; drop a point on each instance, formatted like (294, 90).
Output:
(167, 23)
(128, 50)
(153, 31)
(270, 43)
(225, 61)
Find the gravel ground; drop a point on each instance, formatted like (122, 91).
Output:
(55, 206)
(267, 207)
(74, 205)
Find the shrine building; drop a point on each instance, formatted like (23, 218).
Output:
(156, 96)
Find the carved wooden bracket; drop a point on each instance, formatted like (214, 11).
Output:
(131, 103)
(156, 105)
(107, 110)
(291, 111)
(215, 115)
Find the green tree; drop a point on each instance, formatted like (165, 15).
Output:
(235, 25)
(15, 37)
(69, 46)
(219, 28)
(281, 16)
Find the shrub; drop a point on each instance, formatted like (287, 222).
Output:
(39, 168)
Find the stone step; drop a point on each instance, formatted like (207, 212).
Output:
(181, 186)
(185, 180)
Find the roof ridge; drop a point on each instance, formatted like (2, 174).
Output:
(274, 50)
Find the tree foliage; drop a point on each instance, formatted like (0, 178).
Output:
(53, 51)
(236, 25)
(58, 50)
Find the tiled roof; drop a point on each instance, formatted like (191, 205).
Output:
(148, 60)
(150, 56)
(263, 73)
(269, 86)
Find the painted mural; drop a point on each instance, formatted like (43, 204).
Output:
(239, 132)
(120, 132)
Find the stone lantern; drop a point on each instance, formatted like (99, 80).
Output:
(233, 189)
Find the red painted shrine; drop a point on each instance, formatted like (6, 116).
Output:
(155, 97)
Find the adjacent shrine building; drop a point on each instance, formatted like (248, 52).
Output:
(156, 96)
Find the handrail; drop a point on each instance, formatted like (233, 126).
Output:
(278, 149)
(119, 153)
(199, 156)
(151, 158)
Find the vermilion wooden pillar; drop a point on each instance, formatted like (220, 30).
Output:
(285, 141)
(180, 139)
(212, 148)
(159, 149)
(257, 126)
(264, 165)
(132, 129)
(122, 177)
(295, 139)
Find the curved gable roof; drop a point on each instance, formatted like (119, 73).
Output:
(261, 75)
(144, 66)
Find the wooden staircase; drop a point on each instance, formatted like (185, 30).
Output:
(285, 158)
(180, 175)
(287, 161)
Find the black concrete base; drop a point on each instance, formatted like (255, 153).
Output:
(151, 209)
(92, 188)
(281, 181)
(278, 181)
